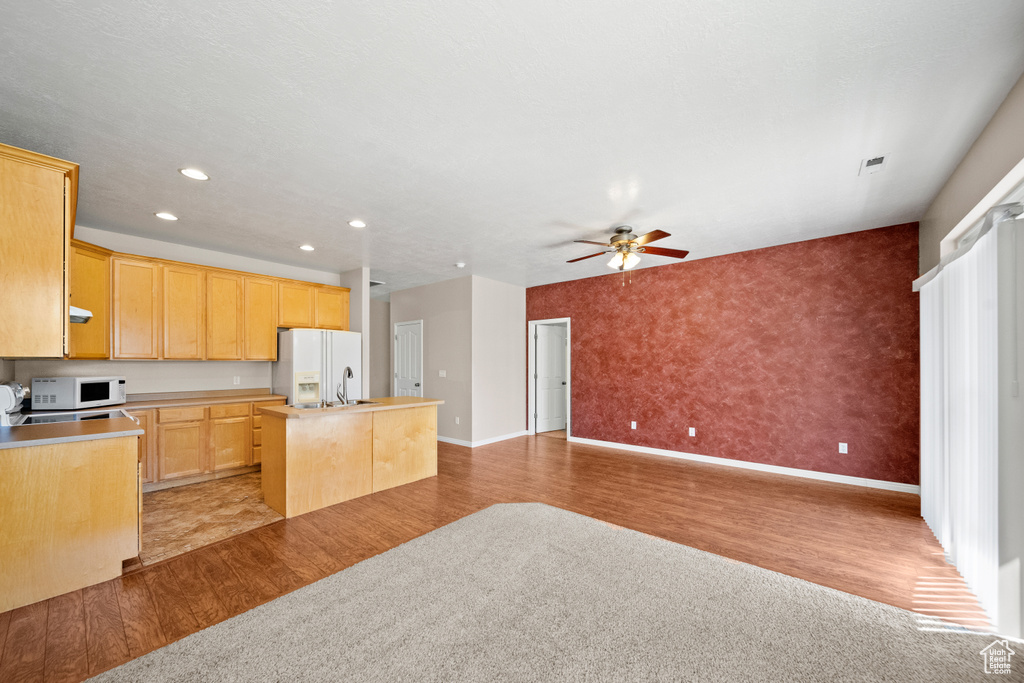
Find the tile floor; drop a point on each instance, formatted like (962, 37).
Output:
(184, 518)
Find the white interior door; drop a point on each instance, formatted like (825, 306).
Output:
(409, 359)
(551, 377)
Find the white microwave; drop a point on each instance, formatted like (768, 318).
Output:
(74, 393)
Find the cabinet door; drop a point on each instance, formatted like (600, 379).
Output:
(181, 451)
(260, 319)
(224, 316)
(296, 304)
(257, 428)
(89, 288)
(33, 242)
(147, 466)
(229, 441)
(184, 308)
(136, 308)
(331, 308)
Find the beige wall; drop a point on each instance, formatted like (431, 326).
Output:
(499, 359)
(997, 150)
(358, 282)
(380, 348)
(145, 377)
(446, 311)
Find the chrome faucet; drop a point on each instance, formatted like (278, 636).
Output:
(343, 387)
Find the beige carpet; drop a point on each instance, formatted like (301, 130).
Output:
(528, 592)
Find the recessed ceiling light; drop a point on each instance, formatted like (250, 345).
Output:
(166, 216)
(193, 173)
(460, 264)
(306, 247)
(357, 223)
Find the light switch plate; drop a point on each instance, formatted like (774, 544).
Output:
(693, 431)
(632, 425)
(442, 373)
(843, 448)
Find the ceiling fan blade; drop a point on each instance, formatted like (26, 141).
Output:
(650, 237)
(660, 251)
(584, 258)
(600, 244)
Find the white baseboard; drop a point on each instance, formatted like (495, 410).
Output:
(482, 442)
(743, 464)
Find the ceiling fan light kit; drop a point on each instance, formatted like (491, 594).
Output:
(626, 247)
(624, 260)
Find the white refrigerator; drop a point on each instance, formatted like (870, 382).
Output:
(312, 365)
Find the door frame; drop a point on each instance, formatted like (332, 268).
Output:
(531, 370)
(423, 371)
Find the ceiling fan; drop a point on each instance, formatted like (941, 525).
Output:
(626, 246)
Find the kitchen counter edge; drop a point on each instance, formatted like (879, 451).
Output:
(26, 436)
(390, 403)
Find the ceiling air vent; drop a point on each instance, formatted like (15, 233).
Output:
(872, 165)
(374, 283)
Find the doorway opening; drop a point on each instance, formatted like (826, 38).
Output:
(550, 377)
(408, 355)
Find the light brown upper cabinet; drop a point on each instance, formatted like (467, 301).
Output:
(260, 319)
(225, 326)
(89, 288)
(184, 308)
(331, 308)
(296, 301)
(136, 308)
(38, 196)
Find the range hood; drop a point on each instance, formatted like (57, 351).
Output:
(79, 315)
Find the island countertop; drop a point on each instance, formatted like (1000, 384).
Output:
(21, 436)
(388, 403)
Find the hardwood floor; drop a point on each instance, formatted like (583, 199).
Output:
(863, 541)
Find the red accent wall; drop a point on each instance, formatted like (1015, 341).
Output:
(774, 355)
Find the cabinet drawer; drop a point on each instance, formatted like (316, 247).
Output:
(257, 420)
(257, 437)
(229, 410)
(189, 414)
(257, 455)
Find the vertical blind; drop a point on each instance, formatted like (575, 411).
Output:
(959, 415)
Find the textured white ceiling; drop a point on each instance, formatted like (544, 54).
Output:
(496, 133)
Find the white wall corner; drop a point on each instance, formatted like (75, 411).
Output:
(358, 282)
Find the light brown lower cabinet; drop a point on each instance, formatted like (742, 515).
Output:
(230, 436)
(193, 443)
(181, 449)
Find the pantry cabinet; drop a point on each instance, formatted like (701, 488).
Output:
(38, 195)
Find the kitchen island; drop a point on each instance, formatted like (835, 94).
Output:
(315, 457)
(70, 498)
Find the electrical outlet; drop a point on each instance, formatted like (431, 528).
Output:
(456, 420)
(843, 448)
(237, 379)
(632, 425)
(442, 373)
(693, 431)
